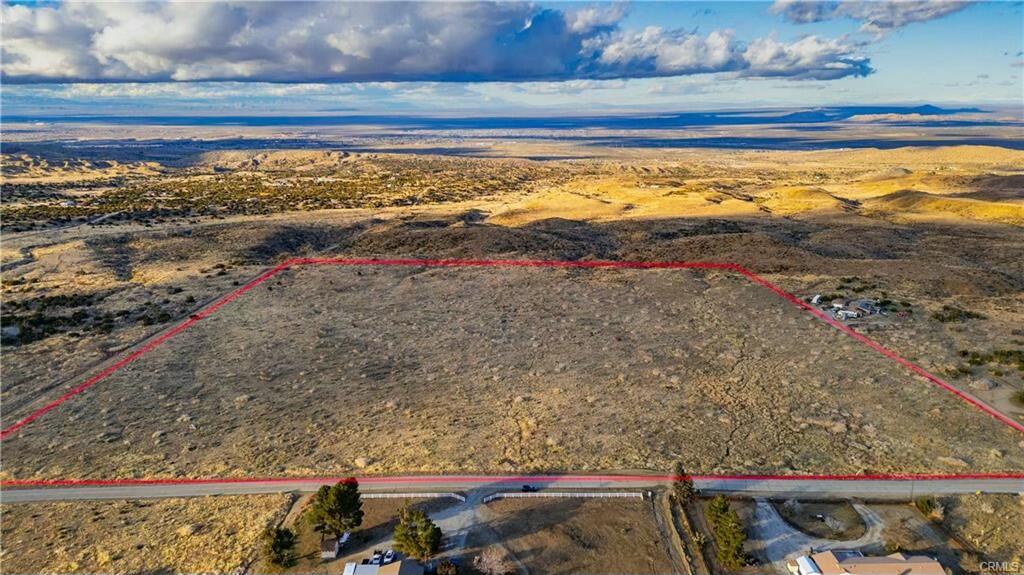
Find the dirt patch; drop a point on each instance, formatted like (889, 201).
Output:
(209, 534)
(908, 531)
(580, 535)
(988, 524)
(824, 520)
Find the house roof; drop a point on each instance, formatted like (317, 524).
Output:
(329, 545)
(403, 567)
(840, 563)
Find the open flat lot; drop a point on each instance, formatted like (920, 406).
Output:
(201, 535)
(328, 370)
(580, 535)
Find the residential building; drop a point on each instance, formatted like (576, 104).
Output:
(855, 563)
(330, 548)
(403, 567)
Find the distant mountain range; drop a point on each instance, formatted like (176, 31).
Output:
(551, 122)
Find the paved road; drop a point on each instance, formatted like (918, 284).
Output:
(820, 488)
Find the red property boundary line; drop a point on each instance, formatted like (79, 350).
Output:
(590, 264)
(427, 479)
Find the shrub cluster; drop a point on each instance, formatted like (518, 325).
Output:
(950, 314)
(371, 183)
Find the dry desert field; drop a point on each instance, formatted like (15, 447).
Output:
(326, 370)
(338, 370)
(202, 535)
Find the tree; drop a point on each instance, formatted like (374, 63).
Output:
(416, 535)
(729, 535)
(447, 567)
(682, 484)
(718, 507)
(492, 561)
(279, 546)
(337, 508)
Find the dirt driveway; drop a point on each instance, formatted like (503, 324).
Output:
(775, 541)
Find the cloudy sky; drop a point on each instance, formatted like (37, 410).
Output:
(378, 57)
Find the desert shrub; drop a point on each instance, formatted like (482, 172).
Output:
(930, 507)
(337, 508)
(492, 561)
(416, 535)
(950, 313)
(1012, 357)
(447, 567)
(728, 531)
(279, 546)
(1018, 397)
(925, 504)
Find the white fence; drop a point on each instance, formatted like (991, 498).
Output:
(581, 494)
(412, 496)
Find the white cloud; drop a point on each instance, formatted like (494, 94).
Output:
(808, 58)
(805, 11)
(313, 42)
(586, 20)
(876, 16)
(674, 53)
(671, 53)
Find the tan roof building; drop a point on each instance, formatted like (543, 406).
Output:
(403, 567)
(855, 563)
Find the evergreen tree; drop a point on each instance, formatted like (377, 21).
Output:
(682, 484)
(279, 546)
(729, 535)
(337, 508)
(416, 535)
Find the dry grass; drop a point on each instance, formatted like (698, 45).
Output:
(523, 369)
(989, 524)
(202, 535)
(908, 531)
(580, 535)
(825, 520)
(737, 380)
(908, 202)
